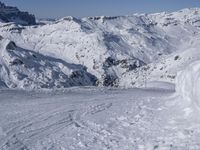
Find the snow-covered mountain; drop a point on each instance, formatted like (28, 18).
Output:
(20, 68)
(13, 14)
(118, 51)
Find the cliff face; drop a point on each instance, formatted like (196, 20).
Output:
(13, 14)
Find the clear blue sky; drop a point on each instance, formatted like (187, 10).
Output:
(81, 8)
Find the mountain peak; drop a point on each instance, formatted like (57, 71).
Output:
(13, 14)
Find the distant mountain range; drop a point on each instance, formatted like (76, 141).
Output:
(125, 51)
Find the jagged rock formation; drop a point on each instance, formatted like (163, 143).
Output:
(13, 14)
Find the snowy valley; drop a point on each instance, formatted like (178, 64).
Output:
(100, 83)
(123, 51)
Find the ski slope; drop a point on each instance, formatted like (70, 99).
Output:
(150, 51)
(96, 118)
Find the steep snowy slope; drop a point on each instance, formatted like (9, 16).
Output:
(164, 70)
(113, 48)
(20, 68)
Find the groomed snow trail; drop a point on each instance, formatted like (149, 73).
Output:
(94, 119)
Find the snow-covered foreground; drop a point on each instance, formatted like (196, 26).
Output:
(96, 119)
(139, 50)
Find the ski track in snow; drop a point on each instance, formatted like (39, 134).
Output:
(127, 51)
(94, 118)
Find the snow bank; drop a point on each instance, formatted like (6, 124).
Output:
(160, 85)
(188, 84)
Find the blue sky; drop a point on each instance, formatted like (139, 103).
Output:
(81, 8)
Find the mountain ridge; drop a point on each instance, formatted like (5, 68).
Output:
(13, 14)
(116, 50)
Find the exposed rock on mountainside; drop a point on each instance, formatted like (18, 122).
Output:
(122, 51)
(20, 68)
(13, 14)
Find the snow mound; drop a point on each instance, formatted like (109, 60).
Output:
(188, 84)
(21, 68)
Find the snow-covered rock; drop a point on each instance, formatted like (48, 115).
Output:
(188, 84)
(122, 51)
(21, 68)
(13, 14)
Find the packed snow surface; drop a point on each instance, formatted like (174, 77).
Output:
(139, 50)
(95, 118)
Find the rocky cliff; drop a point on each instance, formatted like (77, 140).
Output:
(13, 14)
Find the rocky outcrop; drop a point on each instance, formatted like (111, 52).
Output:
(25, 69)
(13, 14)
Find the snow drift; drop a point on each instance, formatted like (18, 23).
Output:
(188, 84)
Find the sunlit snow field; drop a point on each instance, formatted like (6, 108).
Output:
(151, 61)
(90, 118)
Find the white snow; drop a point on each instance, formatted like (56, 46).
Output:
(95, 118)
(153, 39)
(141, 50)
(21, 68)
(188, 84)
